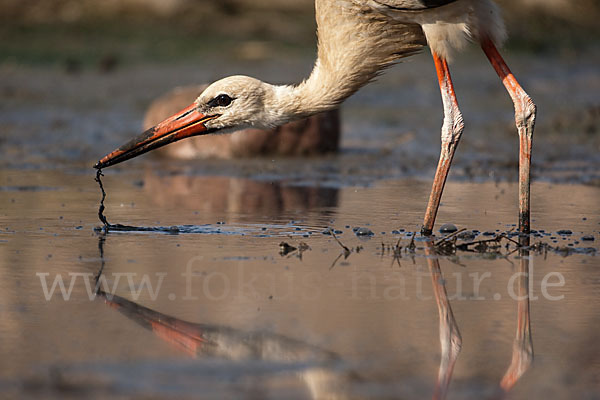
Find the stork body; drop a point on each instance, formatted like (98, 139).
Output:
(357, 40)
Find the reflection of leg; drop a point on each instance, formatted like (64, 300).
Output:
(525, 111)
(522, 355)
(450, 339)
(451, 132)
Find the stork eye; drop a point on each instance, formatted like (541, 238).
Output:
(221, 100)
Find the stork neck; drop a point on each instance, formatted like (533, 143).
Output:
(356, 42)
(324, 90)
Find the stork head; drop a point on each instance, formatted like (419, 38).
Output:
(229, 104)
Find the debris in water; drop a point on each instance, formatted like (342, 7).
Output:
(285, 248)
(446, 239)
(103, 219)
(303, 247)
(397, 249)
(411, 246)
(448, 228)
(467, 235)
(346, 250)
(363, 232)
(345, 253)
(107, 226)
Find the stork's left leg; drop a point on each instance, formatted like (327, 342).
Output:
(525, 111)
(451, 132)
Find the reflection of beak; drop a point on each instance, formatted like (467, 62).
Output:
(186, 123)
(187, 336)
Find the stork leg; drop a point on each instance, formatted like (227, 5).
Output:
(525, 111)
(451, 131)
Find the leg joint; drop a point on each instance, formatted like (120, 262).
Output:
(525, 113)
(453, 128)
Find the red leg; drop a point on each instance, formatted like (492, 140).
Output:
(525, 111)
(451, 132)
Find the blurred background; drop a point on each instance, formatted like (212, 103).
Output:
(87, 31)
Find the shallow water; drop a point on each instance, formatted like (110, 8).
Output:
(219, 312)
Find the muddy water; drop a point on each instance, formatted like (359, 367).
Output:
(220, 313)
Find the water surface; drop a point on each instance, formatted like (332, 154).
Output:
(222, 314)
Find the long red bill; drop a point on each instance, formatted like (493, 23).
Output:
(186, 123)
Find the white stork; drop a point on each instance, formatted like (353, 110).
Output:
(357, 40)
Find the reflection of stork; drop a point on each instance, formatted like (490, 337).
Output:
(320, 369)
(316, 367)
(236, 196)
(522, 355)
(450, 339)
(218, 341)
(357, 39)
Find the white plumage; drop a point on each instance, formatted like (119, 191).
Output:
(357, 40)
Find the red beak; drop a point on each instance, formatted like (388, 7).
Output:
(186, 123)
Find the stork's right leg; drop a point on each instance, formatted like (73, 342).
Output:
(451, 132)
